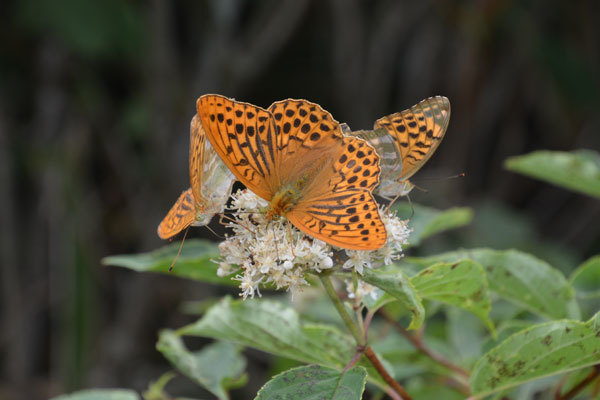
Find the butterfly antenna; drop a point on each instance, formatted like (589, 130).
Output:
(412, 208)
(180, 247)
(420, 188)
(215, 233)
(393, 201)
(461, 175)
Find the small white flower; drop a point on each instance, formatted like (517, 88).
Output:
(224, 270)
(248, 286)
(358, 260)
(388, 254)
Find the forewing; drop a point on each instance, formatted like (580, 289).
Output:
(243, 135)
(417, 131)
(305, 135)
(197, 150)
(181, 215)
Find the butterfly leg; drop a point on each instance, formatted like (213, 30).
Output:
(290, 238)
(391, 203)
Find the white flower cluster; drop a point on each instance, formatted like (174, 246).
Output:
(397, 235)
(273, 252)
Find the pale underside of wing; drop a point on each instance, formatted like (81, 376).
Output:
(196, 159)
(417, 133)
(210, 179)
(216, 182)
(181, 215)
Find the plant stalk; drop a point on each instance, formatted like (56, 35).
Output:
(591, 377)
(360, 338)
(420, 346)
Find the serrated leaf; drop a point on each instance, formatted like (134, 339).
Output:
(315, 382)
(428, 221)
(462, 284)
(100, 394)
(397, 286)
(577, 170)
(274, 328)
(194, 262)
(520, 278)
(542, 350)
(586, 279)
(214, 367)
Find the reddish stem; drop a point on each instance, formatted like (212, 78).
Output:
(591, 377)
(370, 354)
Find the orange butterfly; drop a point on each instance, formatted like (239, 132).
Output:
(405, 141)
(211, 183)
(295, 156)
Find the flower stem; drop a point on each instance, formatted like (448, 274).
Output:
(592, 376)
(360, 338)
(370, 354)
(421, 347)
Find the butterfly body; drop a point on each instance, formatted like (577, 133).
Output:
(295, 156)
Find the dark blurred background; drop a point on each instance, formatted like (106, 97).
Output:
(95, 103)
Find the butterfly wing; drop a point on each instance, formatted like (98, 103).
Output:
(390, 159)
(211, 180)
(334, 176)
(196, 159)
(417, 132)
(181, 215)
(243, 135)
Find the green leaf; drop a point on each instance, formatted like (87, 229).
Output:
(428, 221)
(274, 328)
(155, 390)
(586, 279)
(194, 262)
(315, 382)
(519, 278)
(397, 286)
(542, 350)
(269, 326)
(577, 170)
(215, 367)
(462, 284)
(100, 394)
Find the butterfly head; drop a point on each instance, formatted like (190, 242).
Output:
(389, 189)
(203, 218)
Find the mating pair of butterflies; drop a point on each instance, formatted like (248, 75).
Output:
(314, 171)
